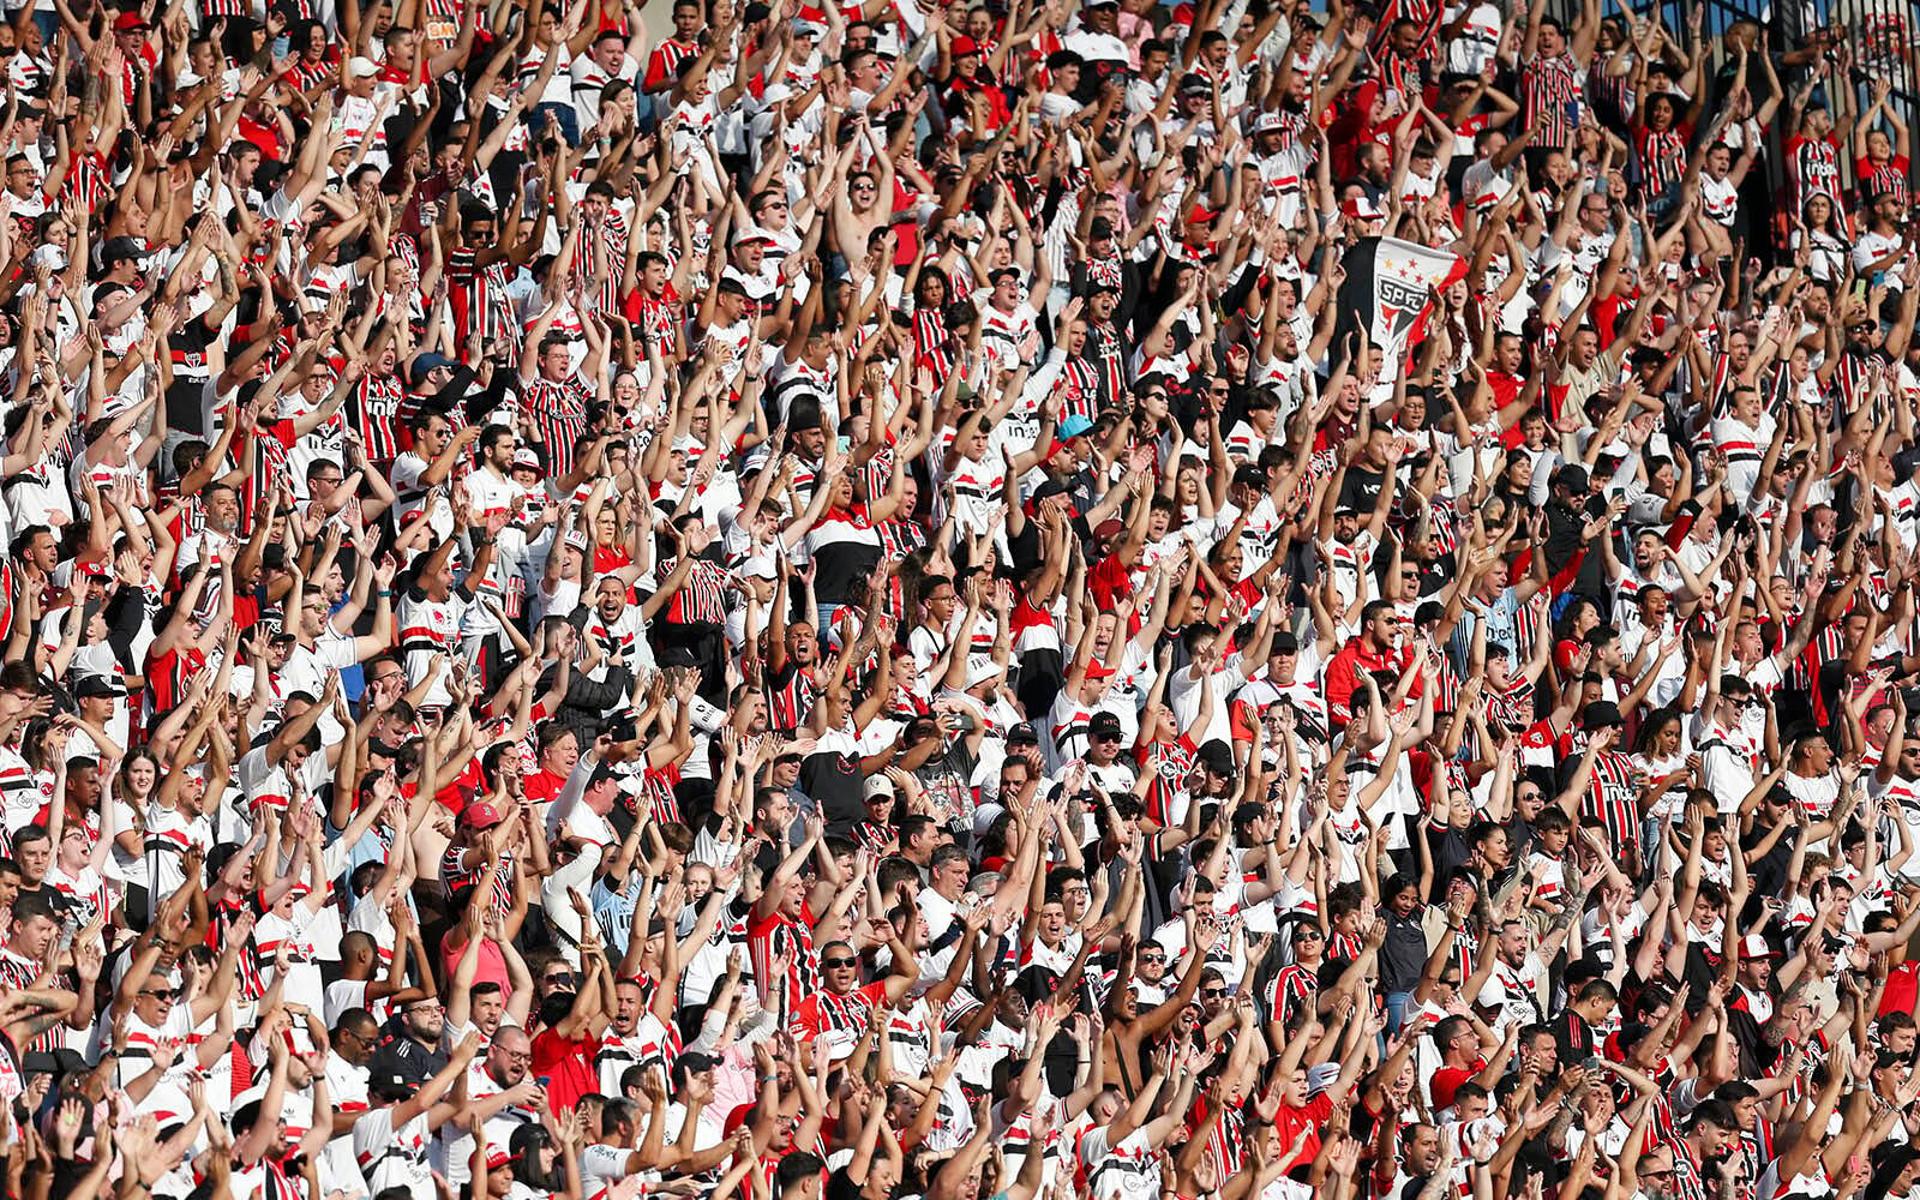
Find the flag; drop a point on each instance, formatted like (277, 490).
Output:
(1390, 285)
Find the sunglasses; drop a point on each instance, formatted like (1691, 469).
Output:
(1213, 993)
(831, 963)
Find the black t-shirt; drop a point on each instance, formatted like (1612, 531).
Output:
(187, 346)
(402, 1056)
(834, 782)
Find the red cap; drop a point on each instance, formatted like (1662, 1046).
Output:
(129, 22)
(1099, 670)
(482, 815)
(963, 46)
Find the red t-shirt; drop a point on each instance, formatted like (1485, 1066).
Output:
(542, 785)
(1903, 986)
(1447, 1081)
(1312, 1115)
(567, 1065)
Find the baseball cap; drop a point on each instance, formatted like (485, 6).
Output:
(1104, 724)
(526, 458)
(750, 233)
(121, 248)
(1600, 714)
(483, 815)
(424, 363)
(1074, 426)
(362, 67)
(130, 22)
(99, 685)
(963, 46)
(1285, 643)
(877, 785)
(1023, 734)
(1361, 208)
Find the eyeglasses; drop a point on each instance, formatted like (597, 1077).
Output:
(518, 1055)
(833, 963)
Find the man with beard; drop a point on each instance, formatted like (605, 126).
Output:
(412, 1048)
(793, 660)
(695, 596)
(501, 1095)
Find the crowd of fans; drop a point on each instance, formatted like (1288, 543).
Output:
(902, 600)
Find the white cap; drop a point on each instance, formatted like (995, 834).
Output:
(362, 67)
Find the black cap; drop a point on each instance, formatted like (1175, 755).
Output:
(1024, 734)
(1285, 643)
(1600, 714)
(53, 1062)
(1216, 756)
(1572, 475)
(1050, 489)
(1103, 723)
(119, 249)
(99, 685)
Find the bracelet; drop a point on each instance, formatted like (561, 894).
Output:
(386, 591)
